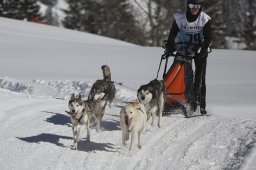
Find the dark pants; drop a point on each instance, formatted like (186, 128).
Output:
(200, 73)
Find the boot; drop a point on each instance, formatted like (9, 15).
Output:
(203, 111)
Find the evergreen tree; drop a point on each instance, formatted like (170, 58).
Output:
(249, 32)
(21, 9)
(30, 9)
(108, 18)
(2, 6)
(11, 9)
(74, 15)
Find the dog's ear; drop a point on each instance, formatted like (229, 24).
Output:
(80, 102)
(80, 96)
(141, 88)
(72, 96)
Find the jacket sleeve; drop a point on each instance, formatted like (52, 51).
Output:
(207, 32)
(172, 35)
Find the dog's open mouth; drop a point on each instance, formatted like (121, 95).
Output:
(98, 100)
(73, 114)
(127, 122)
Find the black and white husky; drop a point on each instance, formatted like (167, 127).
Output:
(152, 95)
(80, 118)
(102, 92)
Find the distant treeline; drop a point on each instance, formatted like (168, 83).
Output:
(143, 22)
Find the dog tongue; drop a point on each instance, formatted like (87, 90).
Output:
(127, 122)
(73, 114)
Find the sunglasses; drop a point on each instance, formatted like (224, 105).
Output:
(196, 6)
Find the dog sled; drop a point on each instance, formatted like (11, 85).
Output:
(179, 80)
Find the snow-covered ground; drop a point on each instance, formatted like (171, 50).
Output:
(42, 65)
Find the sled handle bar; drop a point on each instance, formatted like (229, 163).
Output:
(174, 54)
(165, 56)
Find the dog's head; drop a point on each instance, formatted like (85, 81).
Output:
(146, 93)
(99, 90)
(98, 94)
(76, 105)
(151, 91)
(129, 112)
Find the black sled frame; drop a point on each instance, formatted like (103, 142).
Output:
(185, 106)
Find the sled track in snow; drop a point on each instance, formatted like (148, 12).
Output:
(184, 143)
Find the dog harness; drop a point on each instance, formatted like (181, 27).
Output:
(79, 118)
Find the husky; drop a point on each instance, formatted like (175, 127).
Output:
(133, 120)
(102, 92)
(153, 95)
(80, 118)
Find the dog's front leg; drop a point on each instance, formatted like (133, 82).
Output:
(74, 146)
(153, 119)
(73, 130)
(88, 132)
(139, 139)
(125, 137)
(160, 110)
(160, 117)
(132, 139)
(77, 137)
(98, 125)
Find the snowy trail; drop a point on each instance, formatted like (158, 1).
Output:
(37, 129)
(191, 144)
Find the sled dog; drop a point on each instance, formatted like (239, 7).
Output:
(80, 118)
(102, 92)
(133, 120)
(152, 95)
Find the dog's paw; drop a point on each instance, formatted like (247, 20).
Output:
(73, 147)
(124, 145)
(98, 129)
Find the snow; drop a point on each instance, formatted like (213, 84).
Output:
(41, 66)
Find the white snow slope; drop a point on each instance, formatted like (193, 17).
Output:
(41, 66)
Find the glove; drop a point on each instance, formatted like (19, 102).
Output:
(167, 53)
(164, 44)
(169, 48)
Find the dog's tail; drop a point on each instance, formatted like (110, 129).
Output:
(106, 72)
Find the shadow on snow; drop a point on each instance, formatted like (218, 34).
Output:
(92, 146)
(45, 137)
(58, 119)
(82, 145)
(61, 119)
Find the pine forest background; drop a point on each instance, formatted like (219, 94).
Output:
(143, 22)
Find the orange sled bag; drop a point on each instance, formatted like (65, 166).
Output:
(179, 80)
